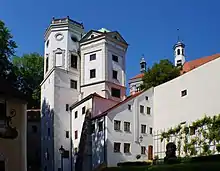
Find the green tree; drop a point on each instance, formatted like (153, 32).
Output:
(29, 72)
(160, 73)
(7, 50)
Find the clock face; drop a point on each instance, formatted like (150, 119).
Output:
(59, 36)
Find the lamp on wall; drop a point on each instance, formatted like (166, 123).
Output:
(9, 132)
(61, 150)
(141, 138)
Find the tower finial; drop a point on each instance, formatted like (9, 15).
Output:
(178, 36)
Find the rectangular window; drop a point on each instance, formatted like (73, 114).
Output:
(67, 107)
(127, 148)
(143, 129)
(92, 73)
(148, 110)
(115, 74)
(116, 92)
(146, 97)
(74, 61)
(151, 130)
(47, 63)
(127, 126)
(76, 114)
(59, 59)
(92, 57)
(84, 110)
(117, 125)
(143, 150)
(183, 93)
(117, 147)
(73, 84)
(115, 58)
(3, 110)
(93, 128)
(76, 135)
(34, 128)
(67, 134)
(141, 109)
(100, 126)
(129, 107)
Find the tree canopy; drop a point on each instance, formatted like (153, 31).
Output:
(160, 73)
(7, 50)
(24, 73)
(29, 73)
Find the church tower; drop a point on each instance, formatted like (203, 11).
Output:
(103, 54)
(179, 53)
(59, 89)
(143, 65)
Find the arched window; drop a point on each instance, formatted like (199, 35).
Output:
(182, 52)
(178, 51)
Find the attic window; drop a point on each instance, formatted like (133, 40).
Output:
(183, 93)
(116, 37)
(92, 36)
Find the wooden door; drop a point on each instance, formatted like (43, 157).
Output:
(150, 152)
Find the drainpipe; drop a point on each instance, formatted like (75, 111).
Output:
(71, 142)
(105, 148)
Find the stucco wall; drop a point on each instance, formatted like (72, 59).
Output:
(202, 86)
(135, 118)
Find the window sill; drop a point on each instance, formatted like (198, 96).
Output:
(128, 154)
(118, 130)
(129, 132)
(117, 152)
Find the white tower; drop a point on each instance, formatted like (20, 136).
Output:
(143, 65)
(59, 89)
(179, 53)
(103, 55)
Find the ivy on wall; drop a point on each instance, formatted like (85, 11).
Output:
(197, 138)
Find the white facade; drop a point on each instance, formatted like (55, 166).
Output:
(140, 125)
(135, 85)
(188, 97)
(60, 88)
(97, 54)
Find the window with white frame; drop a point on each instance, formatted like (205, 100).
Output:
(117, 125)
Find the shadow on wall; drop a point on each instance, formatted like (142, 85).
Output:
(47, 136)
(98, 148)
(83, 159)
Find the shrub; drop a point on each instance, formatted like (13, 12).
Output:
(137, 163)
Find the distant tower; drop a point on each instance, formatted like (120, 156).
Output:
(179, 52)
(143, 65)
(59, 89)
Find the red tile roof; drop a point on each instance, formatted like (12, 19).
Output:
(188, 66)
(118, 104)
(137, 76)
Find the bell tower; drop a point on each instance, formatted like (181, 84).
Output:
(143, 65)
(179, 53)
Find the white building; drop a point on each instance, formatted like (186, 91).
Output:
(119, 131)
(59, 89)
(87, 71)
(188, 97)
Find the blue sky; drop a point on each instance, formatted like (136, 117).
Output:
(149, 26)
